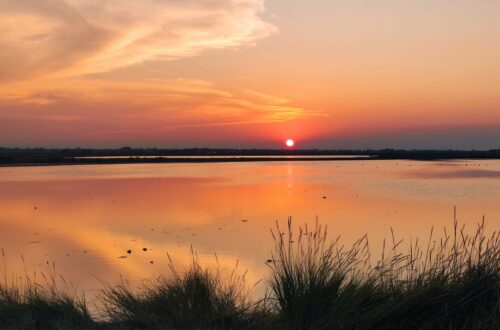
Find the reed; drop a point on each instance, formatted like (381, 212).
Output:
(37, 302)
(198, 298)
(451, 281)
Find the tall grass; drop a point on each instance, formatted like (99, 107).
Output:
(452, 283)
(38, 303)
(447, 282)
(198, 298)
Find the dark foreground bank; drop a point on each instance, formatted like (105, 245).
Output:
(448, 282)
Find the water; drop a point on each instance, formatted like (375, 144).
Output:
(291, 157)
(85, 218)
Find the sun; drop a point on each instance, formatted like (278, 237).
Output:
(290, 143)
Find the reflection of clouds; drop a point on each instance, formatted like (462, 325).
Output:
(87, 36)
(86, 245)
(106, 214)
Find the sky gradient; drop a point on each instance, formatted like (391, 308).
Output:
(250, 73)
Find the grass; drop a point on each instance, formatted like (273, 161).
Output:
(195, 299)
(454, 283)
(34, 303)
(449, 282)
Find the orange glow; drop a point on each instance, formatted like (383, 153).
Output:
(117, 73)
(168, 208)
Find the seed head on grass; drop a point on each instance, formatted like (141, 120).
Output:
(317, 283)
(33, 303)
(199, 298)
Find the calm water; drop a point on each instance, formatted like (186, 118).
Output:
(291, 157)
(85, 218)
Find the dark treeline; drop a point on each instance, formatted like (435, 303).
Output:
(70, 156)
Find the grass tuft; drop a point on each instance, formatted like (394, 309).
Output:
(195, 299)
(453, 283)
(448, 282)
(32, 304)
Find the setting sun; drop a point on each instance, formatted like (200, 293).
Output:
(155, 139)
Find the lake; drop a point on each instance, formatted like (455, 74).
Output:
(85, 218)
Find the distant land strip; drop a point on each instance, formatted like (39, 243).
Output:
(127, 155)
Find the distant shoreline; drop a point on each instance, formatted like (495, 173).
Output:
(13, 157)
(180, 160)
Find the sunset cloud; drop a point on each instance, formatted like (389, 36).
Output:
(217, 73)
(73, 37)
(120, 109)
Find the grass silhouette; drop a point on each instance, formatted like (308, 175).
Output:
(34, 303)
(454, 283)
(449, 282)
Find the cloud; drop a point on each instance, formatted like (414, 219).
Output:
(74, 37)
(90, 108)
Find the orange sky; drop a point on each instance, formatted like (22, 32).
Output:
(250, 73)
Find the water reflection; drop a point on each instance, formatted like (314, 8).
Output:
(87, 218)
(460, 174)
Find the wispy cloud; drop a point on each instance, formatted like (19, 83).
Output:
(81, 107)
(51, 48)
(73, 37)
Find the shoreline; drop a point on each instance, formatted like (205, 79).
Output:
(177, 160)
(230, 159)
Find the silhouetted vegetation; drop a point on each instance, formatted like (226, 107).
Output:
(31, 303)
(199, 298)
(42, 156)
(454, 283)
(450, 282)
